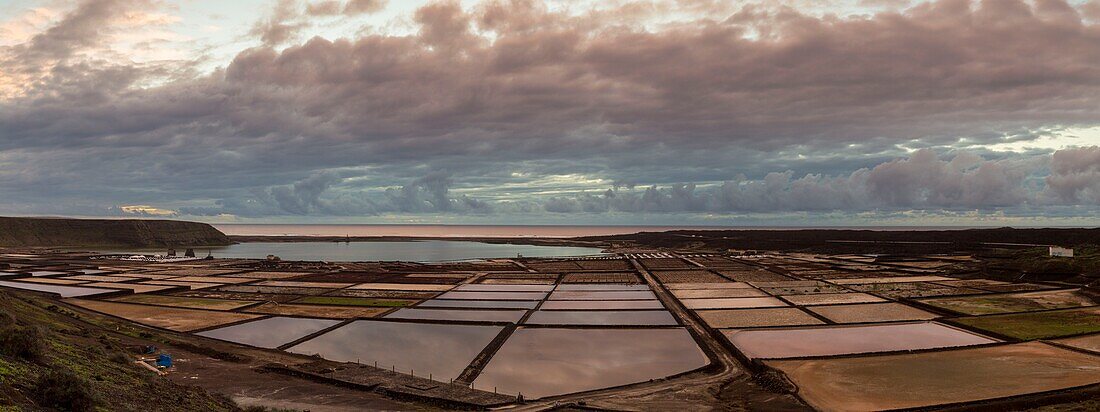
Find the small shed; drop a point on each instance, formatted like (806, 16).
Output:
(1058, 251)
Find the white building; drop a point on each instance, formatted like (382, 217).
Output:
(1059, 251)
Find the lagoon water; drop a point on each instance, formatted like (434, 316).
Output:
(413, 251)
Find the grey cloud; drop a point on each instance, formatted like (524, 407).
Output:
(281, 25)
(364, 6)
(763, 108)
(323, 8)
(314, 195)
(921, 181)
(302, 196)
(1075, 176)
(549, 82)
(350, 7)
(80, 28)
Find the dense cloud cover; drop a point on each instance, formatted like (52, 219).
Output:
(516, 108)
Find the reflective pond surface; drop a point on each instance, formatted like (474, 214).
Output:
(493, 295)
(472, 315)
(583, 287)
(504, 288)
(424, 348)
(602, 318)
(600, 304)
(45, 273)
(839, 340)
(489, 304)
(64, 291)
(603, 295)
(540, 362)
(270, 332)
(415, 251)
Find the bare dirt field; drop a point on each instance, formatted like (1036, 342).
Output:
(936, 378)
(831, 298)
(177, 319)
(1088, 342)
(872, 312)
(743, 318)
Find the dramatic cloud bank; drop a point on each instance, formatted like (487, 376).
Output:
(922, 181)
(535, 110)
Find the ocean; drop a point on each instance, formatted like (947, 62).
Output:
(458, 231)
(415, 251)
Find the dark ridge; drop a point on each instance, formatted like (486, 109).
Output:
(37, 231)
(857, 241)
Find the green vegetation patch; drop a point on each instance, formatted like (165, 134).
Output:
(1039, 325)
(346, 301)
(1010, 303)
(1037, 262)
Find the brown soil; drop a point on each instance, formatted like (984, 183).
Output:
(935, 378)
(177, 319)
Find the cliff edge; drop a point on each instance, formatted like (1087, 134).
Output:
(27, 231)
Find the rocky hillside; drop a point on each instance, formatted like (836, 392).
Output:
(21, 231)
(51, 360)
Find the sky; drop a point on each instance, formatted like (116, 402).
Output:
(615, 112)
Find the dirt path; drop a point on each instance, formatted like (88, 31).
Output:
(248, 386)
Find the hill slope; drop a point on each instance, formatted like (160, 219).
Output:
(52, 361)
(22, 231)
(857, 241)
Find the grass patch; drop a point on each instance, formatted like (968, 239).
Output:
(346, 301)
(1039, 325)
(987, 305)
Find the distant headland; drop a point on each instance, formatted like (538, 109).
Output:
(47, 231)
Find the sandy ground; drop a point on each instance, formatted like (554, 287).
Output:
(177, 319)
(1089, 343)
(933, 378)
(872, 312)
(742, 318)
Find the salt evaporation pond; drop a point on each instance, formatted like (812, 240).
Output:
(270, 332)
(468, 315)
(843, 340)
(540, 362)
(64, 291)
(488, 304)
(601, 305)
(602, 318)
(443, 350)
